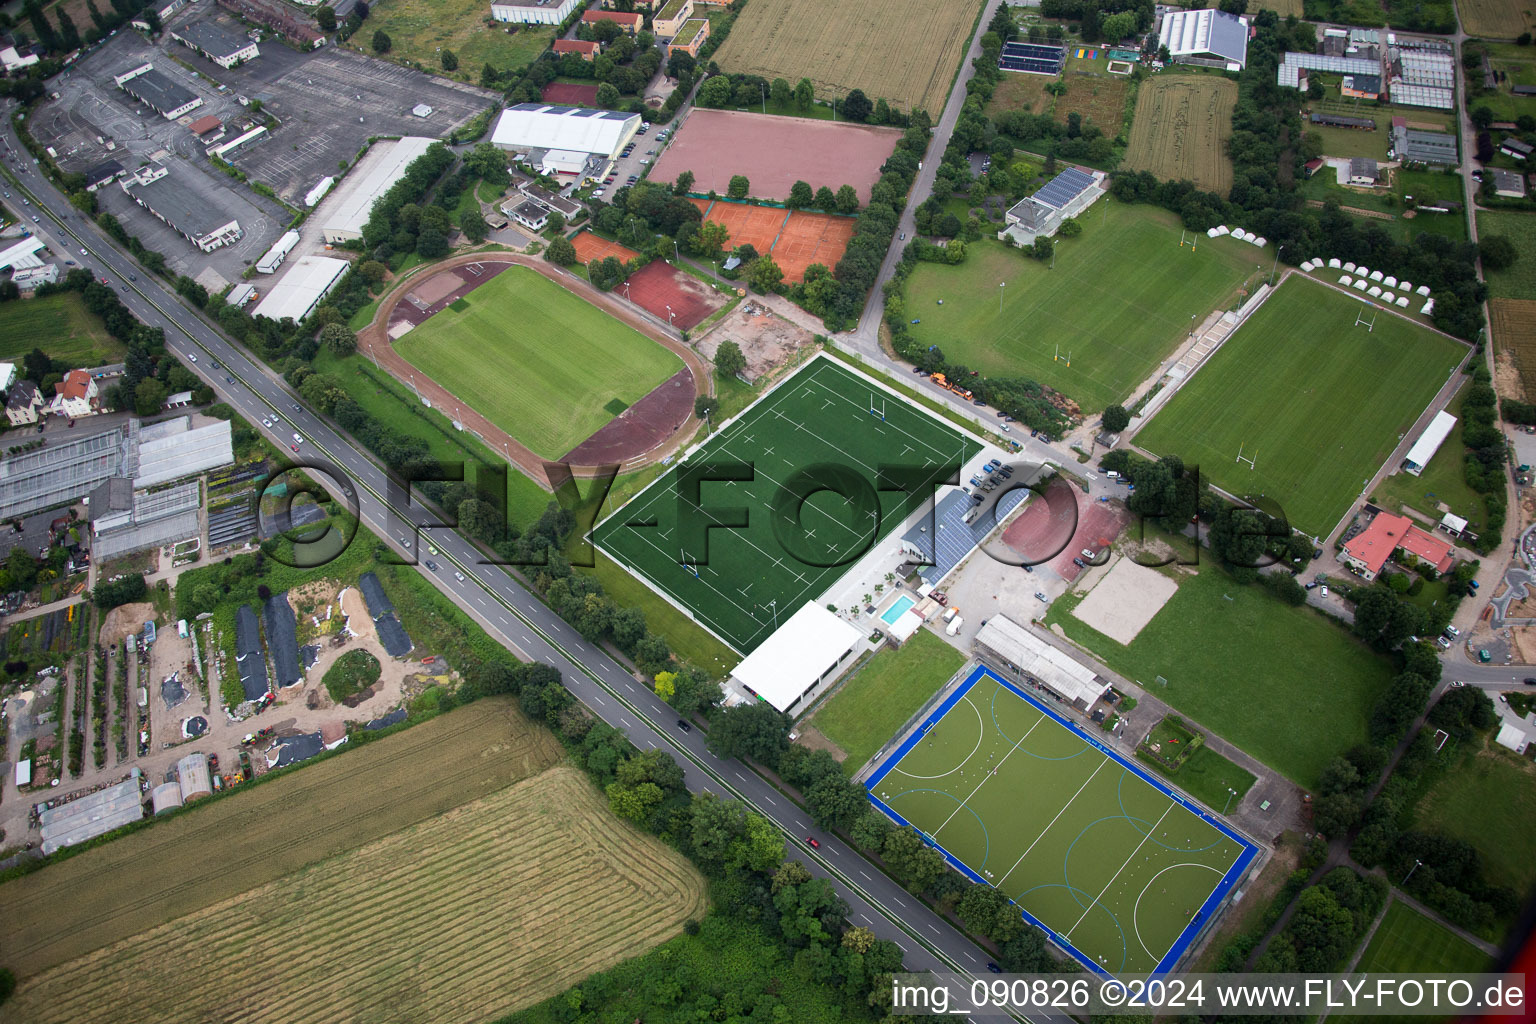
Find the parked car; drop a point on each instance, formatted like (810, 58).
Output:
(1452, 632)
(1445, 644)
(1079, 563)
(1041, 595)
(1323, 590)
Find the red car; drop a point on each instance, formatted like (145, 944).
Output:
(814, 844)
(293, 447)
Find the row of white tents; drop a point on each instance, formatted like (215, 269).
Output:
(1239, 234)
(1375, 291)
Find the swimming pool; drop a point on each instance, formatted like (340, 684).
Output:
(897, 609)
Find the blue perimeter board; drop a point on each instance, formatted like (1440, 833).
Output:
(1197, 921)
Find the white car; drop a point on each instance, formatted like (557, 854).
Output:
(192, 356)
(1323, 590)
(266, 423)
(1452, 632)
(297, 439)
(459, 576)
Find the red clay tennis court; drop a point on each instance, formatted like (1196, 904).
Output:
(659, 285)
(757, 226)
(570, 94)
(811, 238)
(589, 247)
(775, 152)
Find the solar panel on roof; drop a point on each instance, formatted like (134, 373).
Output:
(1034, 50)
(1063, 188)
(1038, 67)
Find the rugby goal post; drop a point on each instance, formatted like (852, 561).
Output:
(1370, 325)
(1186, 239)
(1249, 459)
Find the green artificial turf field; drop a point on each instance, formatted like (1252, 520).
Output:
(1407, 942)
(1259, 673)
(740, 581)
(867, 709)
(1085, 845)
(1318, 402)
(1119, 301)
(536, 360)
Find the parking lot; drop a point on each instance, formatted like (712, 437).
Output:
(645, 147)
(90, 107)
(329, 103)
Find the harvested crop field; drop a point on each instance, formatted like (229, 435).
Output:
(591, 247)
(1495, 19)
(469, 915)
(1181, 130)
(906, 51)
(775, 152)
(254, 837)
(1514, 331)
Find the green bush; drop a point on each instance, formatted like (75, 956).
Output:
(352, 673)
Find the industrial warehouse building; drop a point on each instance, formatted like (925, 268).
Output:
(575, 142)
(533, 12)
(807, 650)
(1429, 442)
(343, 219)
(1066, 195)
(1414, 145)
(1204, 37)
(182, 211)
(301, 289)
(218, 44)
(159, 93)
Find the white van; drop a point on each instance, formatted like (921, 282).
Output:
(970, 517)
(1112, 475)
(954, 626)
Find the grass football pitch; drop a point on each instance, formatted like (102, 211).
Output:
(536, 360)
(1318, 402)
(1116, 867)
(1407, 942)
(752, 553)
(1119, 301)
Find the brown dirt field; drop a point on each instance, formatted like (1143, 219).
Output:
(775, 152)
(374, 341)
(646, 425)
(1181, 130)
(658, 285)
(1019, 91)
(811, 238)
(256, 836)
(590, 247)
(491, 907)
(1100, 99)
(904, 50)
(123, 620)
(767, 340)
(570, 94)
(757, 226)
(1495, 19)
(1514, 332)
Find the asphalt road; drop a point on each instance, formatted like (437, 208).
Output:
(503, 606)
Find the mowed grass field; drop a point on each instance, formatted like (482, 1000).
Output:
(59, 325)
(418, 28)
(1443, 480)
(740, 580)
(867, 710)
(536, 360)
(905, 51)
(1514, 331)
(1235, 668)
(1318, 402)
(1181, 130)
(1086, 844)
(1119, 301)
(483, 910)
(1407, 942)
(255, 837)
(1488, 800)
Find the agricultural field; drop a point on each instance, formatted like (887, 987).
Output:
(1181, 130)
(1099, 98)
(1519, 281)
(1514, 331)
(1458, 806)
(1265, 701)
(1495, 19)
(183, 865)
(1284, 8)
(1120, 299)
(867, 709)
(905, 51)
(420, 28)
(1319, 402)
(61, 323)
(520, 346)
(466, 915)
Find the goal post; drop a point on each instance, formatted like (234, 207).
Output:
(1250, 459)
(1369, 325)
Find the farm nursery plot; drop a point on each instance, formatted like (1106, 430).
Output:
(906, 51)
(255, 837)
(1514, 331)
(1181, 130)
(483, 910)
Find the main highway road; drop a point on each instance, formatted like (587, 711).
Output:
(498, 601)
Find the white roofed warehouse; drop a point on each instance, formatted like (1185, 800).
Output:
(343, 217)
(810, 648)
(1204, 37)
(1429, 442)
(301, 289)
(567, 136)
(1022, 657)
